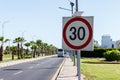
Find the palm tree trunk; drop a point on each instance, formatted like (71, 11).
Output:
(21, 50)
(27, 52)
(1, 53)
(18, 51)
(34, 53)
(12, 55)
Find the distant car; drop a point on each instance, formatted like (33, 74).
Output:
(60, 53)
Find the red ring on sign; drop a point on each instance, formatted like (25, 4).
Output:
(89, 29)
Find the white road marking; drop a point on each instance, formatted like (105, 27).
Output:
(30, 67)
(1, 79)
(18, 72)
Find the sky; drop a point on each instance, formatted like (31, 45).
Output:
(42, 19)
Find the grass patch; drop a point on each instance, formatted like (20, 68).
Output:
(98, 69)
(7, 55)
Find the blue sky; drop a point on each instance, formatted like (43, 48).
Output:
(36, 19)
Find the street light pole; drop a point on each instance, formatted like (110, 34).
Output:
(2, 49)
(72, 4)
(3, 27)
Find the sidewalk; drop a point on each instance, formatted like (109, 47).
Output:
(68, 71)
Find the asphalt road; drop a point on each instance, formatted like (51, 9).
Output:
(42, 69)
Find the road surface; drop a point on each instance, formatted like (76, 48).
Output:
(42, 69)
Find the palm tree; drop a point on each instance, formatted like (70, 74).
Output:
(32, 43)
(34, 48)
(39, 43)
(2, 40)
(21, 50)
(52, 49)
(42, 48)
(18, 40)
(7, 49)
(13, 49)
(27, 45)
(45, 48)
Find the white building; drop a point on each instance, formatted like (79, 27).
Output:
(118, 43)
(107, 42)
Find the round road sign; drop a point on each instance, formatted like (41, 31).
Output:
(78, 33)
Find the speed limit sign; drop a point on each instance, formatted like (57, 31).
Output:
(77, 33)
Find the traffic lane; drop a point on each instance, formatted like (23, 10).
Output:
(7, 71)
(43, 72)
(18, 69)
(43, 69)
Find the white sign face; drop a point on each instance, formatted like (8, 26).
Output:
(77, 33)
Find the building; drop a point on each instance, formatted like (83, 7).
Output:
(107, 42)
(118, 43)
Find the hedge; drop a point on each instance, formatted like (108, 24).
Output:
(98, 52)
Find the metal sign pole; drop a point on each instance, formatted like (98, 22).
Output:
(74, 57)
(78, 52)
(76, 5)
(78, 64)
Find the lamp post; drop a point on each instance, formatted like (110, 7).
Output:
(1, 48)
(22, 56)
(3, 27)
(23, 34)
(72, 4)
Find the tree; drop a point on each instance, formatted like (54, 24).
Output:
(32, 43)
(42, 48)
(52, 49)
(2, 40)
(27, 45)
(39, 43)
(21, 49)
(34, 47)
(7, 50)
(13, 49)
(18, 40)
(45, 47)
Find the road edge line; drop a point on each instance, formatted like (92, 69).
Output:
(58, 70)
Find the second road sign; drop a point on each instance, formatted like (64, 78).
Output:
(77, 33)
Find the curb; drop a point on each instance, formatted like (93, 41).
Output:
(58, 70)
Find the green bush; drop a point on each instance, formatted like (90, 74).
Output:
(112, 55)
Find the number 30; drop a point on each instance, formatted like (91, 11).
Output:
(76, 33)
